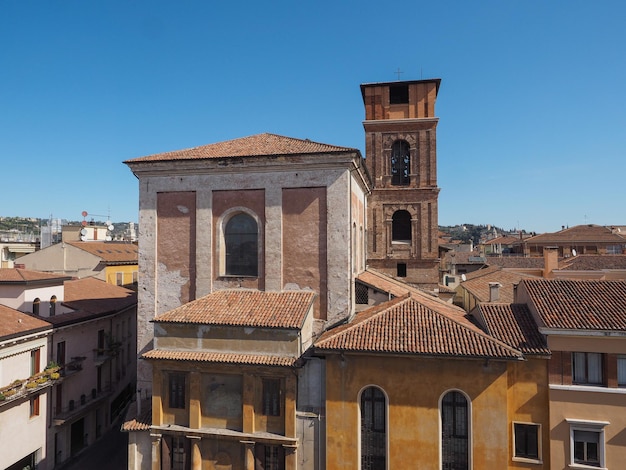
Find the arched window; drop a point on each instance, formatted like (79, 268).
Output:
(454, 432)
(373, 429)
(401, 226)
(36, 303)
(400, 163)
(241, 241)
(53, 305)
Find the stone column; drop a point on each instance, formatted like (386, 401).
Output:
(156, 451)
(249, 455)
(196, 453)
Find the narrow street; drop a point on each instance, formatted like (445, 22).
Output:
(109, 453)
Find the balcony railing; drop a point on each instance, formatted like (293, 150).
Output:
(76, 407)
(74, 366)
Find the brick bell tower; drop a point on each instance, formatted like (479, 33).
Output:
(401, 156)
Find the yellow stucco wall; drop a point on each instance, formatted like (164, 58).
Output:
(414, 388)
(126, 270)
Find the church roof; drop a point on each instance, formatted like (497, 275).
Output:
(415, 325)
(286, 309)
(252, 146)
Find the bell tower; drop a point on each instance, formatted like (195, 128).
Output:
(401, 156)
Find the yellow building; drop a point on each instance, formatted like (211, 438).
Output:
(414, 381)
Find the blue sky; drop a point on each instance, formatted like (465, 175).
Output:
(532, 104)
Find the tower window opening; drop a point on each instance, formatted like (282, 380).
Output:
(398, 94)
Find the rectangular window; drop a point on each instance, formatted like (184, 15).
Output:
(177, 390)
(587, 442)
(401, 269)
(35, 361)
(270, 457)
(119, 279)
(271, 397)
(621, 370)
(398, 94)
(34, 406)
(587, 368)
(527, 440)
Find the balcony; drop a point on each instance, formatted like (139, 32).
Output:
(73, 367)
(85, 402)
(25, 388)
(104, 354)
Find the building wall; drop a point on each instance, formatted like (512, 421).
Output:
(20, 433)
(413, 388)
(528, 402)
(125, 273)
(64, 259)
(180, 257)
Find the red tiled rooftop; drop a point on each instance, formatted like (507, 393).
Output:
(15, 323)
(135, 421)
(220, 358)
(594, 263)
(110, 252)
(251, 146)
(581, 234)
(13, 275)
(286, 309)
(514, 325)
(478, 283)
(579, 304)
(417, 327)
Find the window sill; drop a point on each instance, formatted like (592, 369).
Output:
(588, 388)
(580, 466)
(528, 460)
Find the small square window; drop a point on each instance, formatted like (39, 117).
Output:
(401, 269)
(527, 440)
(398, 94)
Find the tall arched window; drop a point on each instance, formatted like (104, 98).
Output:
(53, 305)
(454, 432)
(401, 226)
(400, 163)
(241, 242)
(373, 429)
(36, 304)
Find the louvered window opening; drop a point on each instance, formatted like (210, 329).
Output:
(373, 430)
(454, 432)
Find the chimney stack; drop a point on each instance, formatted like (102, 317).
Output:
(550, 261)
(494, 291)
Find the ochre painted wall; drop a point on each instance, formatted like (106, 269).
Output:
(414, 387)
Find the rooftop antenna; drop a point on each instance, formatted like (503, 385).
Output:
(398, 72)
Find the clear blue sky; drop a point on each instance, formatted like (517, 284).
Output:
(532, 105)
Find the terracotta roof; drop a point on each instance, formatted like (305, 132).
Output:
(579, 304)
(251, 146)
(218, 357)
(26, 276)
(594, 263)
(478, 285)
(503, 240)
(14, 323)
(516, 262)
(110, 252)
(286, 309)
(514, 325)
(416, 326)
(383, 283)
(135, 421)
(464, 257)
(581, 234)
(90, 298)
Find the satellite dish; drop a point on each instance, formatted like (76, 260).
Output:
(110, 227)
(84, 223)
(108, 238)
(574, 252)
(463, 277)
(84, 213)
(83, 238)
(83, 231)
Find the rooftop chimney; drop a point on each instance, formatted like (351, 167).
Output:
(550, 261)
(494, 291)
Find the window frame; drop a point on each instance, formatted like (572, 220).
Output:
(379, 428)
(177, 390)
(223, 246)
(271, 396)
(400, 163)
(468, 416)
(587, 426)
(577, 380)
(527, 458)
(34, 406)
(621, 377)
(401, 226)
